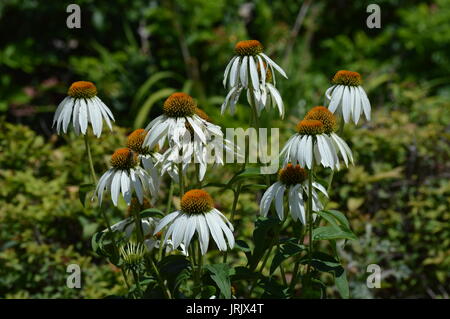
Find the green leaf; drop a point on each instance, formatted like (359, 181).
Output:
(83, 190)
(337, 215)
(244, 247)
(220, 274)
(286, 250)
(254, 187)
(151, 212)
(332, 232)
(340, 278)
(327, 263)
(248, 172)
(243, 273)
(174, 268)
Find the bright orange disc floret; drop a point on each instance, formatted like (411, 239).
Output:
(345, 77)
(124, 158)
(179, 105)
(135, 141)
(321, 113)
(196, 201)
(292, 175)
(248, 47)
(310, 127)
(82, 89)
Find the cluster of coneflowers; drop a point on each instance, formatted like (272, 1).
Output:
(183, 136)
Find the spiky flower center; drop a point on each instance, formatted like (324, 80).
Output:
(82, 89)
(248, 47)
(321, 113)
(345, 77)
(292, 175)
(124, 158)
(132, 256)
(135, 141)
(179, 105)
(310, 127)
(196, 201)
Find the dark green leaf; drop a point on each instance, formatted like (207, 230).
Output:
(220, 273)
(262, 237)
(286, 250)
(332, 232)
(152, 212)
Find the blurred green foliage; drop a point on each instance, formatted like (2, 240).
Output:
(137, 52)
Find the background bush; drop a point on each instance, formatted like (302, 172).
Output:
(139, 52)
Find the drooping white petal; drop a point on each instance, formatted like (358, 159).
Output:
(243, 71)
(276, 95)
(216, 232)
(227, 71)
(137, 186)
(336, 98)
(308, 151)
(59, 109)
(254, 75)
(166, 220)
(365, 102)
(267, 198)
(83, 116)
(279, 205)
(179, 229)
(115, 186)
(203, 233)
(155, 134)
(346, 104)
(75, 117)
(226, 230)
(273, 64)
(190, 230)
(356, 105)
(234, 72)
(102, 184)
(66, 115)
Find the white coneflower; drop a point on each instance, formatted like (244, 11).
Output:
(347, 97)
(317, 129)
(197, 214)
(147, 158)
(188, 132)
(125, 176)
(294, 180)
(81, 107)
(248, 70)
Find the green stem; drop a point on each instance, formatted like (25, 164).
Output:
(200, 264)
(116, 248)
(165, 290)
(267, 255)
(91, 163)
(137, 282)
(310, 225)
(181, 179)
(310, 212)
